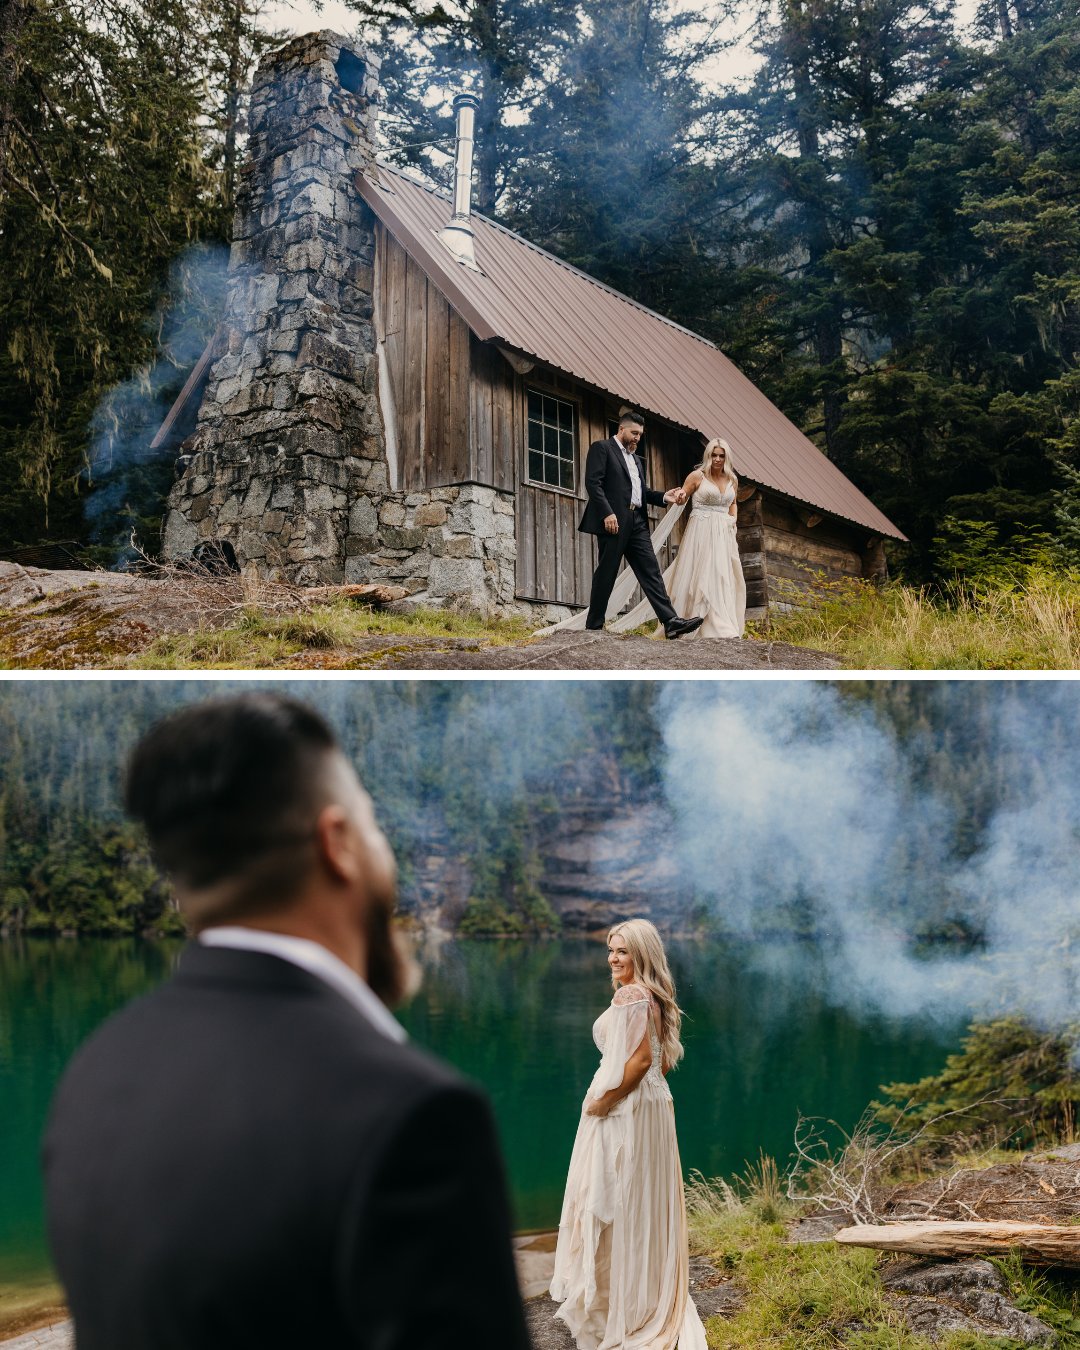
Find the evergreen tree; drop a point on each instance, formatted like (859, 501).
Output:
(509, 53)
(120, 127)
(618, 180)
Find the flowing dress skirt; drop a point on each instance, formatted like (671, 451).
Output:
(706, 577)
(622, 1264)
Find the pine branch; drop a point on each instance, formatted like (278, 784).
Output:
(53, 219)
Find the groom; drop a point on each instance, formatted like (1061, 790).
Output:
(617, 515)
(254, 1155)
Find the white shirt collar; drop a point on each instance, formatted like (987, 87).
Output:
(315, 959)
(632, 470)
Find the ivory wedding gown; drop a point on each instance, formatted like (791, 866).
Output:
(622, 1261)
(706, 577)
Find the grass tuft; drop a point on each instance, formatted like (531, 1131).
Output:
(798, 1296)
(1028, 622)
(339, 629)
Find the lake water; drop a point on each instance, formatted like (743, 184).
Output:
(762, 1045)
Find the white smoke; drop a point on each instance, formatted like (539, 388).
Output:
(794, 800)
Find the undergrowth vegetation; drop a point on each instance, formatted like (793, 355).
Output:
(1027, 619)
(1010, 1085)
(820, 1295)
(339, 629)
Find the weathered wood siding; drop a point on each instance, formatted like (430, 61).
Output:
(495, 411)
(801, 555)
(788, 551)
(556, 561)
(460, 412)
(427, 360)
(751, 539)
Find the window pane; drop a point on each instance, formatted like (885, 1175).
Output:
(552, 440)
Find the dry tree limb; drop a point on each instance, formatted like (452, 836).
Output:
(851, 1181)
(224, 595)
(368, 593)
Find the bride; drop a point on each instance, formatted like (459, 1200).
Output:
(706, 578)
(622, 1262)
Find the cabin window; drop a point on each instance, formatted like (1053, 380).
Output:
(552, 441)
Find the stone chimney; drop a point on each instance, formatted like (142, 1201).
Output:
(289, 437)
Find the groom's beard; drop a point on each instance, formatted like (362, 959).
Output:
(392, 971)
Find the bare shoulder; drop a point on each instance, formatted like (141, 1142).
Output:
(630, 993)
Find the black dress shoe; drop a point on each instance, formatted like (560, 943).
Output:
(675, 628)
(594, 627)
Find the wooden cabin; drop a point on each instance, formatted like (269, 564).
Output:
(491, 377)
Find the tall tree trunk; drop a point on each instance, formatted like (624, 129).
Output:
(234, 80)
(492, 97)
(827, 330)
(1004, 20)
(13, 19)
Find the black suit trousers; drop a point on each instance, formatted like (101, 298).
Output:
(633, 543)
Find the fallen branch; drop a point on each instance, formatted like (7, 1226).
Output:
(367, 593)
(854, 1180)
(1038, 1244)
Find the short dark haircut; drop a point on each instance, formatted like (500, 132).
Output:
(630, 418)
(229, 790)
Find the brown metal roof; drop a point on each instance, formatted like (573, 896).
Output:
(532, 301)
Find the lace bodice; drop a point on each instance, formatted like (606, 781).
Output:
(625, 1021)
(710, 496)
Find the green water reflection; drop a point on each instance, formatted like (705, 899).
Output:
(762, 1045)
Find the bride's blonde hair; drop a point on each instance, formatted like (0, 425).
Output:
(729, 468)
(652, 972)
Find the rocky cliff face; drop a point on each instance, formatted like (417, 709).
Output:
(607, 853)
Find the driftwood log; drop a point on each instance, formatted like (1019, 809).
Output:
(368, 593)
(1038, 1243)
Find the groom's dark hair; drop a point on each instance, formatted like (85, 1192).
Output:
(627, 417)
(229, 791)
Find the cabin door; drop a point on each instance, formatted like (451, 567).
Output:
(554, 561)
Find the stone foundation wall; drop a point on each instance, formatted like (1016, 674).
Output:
(445, 545)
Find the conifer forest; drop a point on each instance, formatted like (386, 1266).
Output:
(878, 221)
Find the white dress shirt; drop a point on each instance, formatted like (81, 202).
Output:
(318, 961)
(632, 470)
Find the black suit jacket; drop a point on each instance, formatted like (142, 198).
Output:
(607, 481)
(241, 1160)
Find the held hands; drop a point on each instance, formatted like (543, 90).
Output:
(675, 497)
(598, 1108)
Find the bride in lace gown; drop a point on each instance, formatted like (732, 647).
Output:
(622, 1261)
(706, 577)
